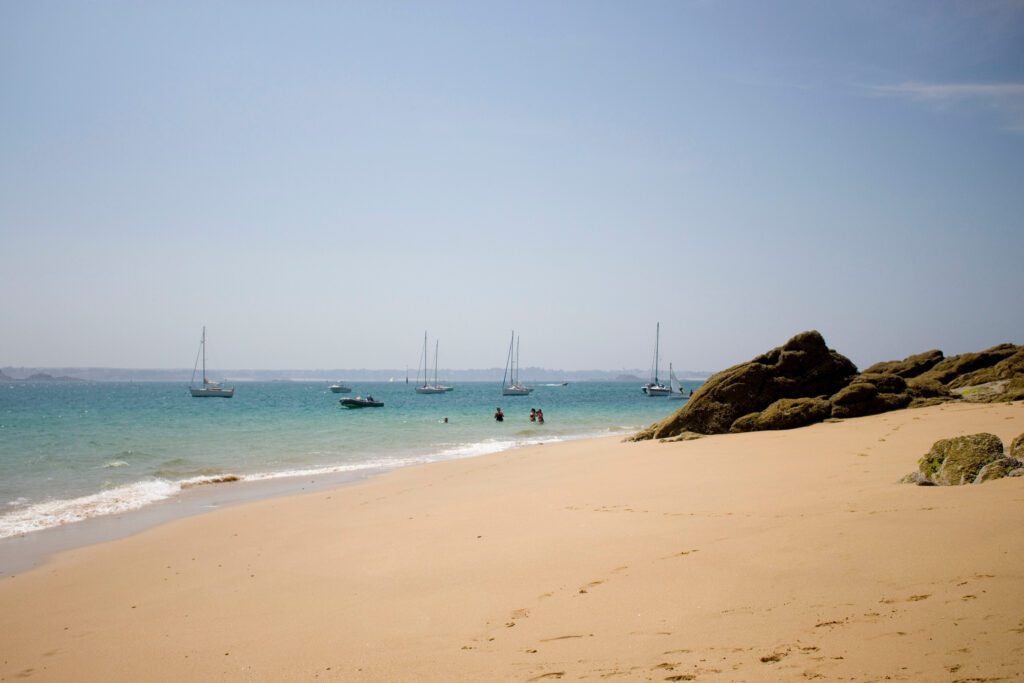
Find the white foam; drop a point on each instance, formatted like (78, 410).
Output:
(114, 463)
(112, 501)
(380, 464)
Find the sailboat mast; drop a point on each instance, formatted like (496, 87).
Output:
(657, 340)
(508, 360)
(203, 344)
(435, 362)
(516, 380)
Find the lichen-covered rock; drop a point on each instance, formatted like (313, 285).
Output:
(1017, 447)
(911, 366)
(869, 394)
(786, 413)
(956, 461)
(997, 469)
(955, 366)
(802, 367)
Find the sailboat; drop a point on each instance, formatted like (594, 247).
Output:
(673, 382)
(208, 388)
(426, 387)
(514, 387)
(655, 387)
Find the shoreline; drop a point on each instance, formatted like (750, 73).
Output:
(775, 555)
(31, 549)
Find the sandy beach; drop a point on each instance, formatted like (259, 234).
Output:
(784, 555)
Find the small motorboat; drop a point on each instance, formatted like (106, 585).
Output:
(360, 402)
(340, 388)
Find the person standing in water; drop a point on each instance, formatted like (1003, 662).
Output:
(533, 415)
(498, 415)
(540, 416)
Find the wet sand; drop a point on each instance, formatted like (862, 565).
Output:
(769, 556)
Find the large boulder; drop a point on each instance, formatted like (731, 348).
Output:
(802, 367)
(870, 394)
(911, 366)
(786, 413)
(956, 461)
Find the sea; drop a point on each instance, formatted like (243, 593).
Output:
(75, 451)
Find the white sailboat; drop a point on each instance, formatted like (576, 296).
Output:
(208, 389)
(655, 387)
(427, 387)
(673, 383)
(513, 387)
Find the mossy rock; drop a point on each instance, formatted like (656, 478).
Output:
(1017, 448)
(643, 435)
(997, 469)
(856, 392)
(927, 402)
(786, 413)
(1006, 368)
(747, 423)
(956, 461)
(802, 367)
(920, 387)
(685, 436)
(911, 366)
(916, 477)
(885, 384)
(954, 367)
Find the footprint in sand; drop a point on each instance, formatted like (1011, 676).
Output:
(592, 584)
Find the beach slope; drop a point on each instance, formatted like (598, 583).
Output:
(760, 556)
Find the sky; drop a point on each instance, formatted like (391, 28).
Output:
(319, 183)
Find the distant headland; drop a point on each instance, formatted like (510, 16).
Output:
(531, 374)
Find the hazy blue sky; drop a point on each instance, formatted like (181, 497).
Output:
(320, 182)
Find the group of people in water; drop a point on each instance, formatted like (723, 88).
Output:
(536, 415)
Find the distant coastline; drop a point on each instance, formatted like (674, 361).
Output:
(530, 374)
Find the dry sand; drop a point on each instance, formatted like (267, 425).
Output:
(766, 556)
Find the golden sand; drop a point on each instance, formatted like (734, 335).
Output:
(767, 556)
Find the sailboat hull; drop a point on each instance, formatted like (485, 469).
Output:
(212, 393)
(516, 391)
(656, 390)
(430, 390)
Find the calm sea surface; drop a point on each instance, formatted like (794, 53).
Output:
(70, 451)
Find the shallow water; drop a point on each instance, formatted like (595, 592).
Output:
(74, 450)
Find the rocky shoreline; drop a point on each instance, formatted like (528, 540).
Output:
(803, 382)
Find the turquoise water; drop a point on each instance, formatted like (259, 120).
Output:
(70, 451)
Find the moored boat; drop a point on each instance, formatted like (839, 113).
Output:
(655, 387)
(207, 389)
(510, 384)
(360, 402)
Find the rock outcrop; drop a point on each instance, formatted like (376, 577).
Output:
(802, 367)
(786, 413)
(957, 461)
(870, 394)
(911, 366)
(950, 369)
(803, 382)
